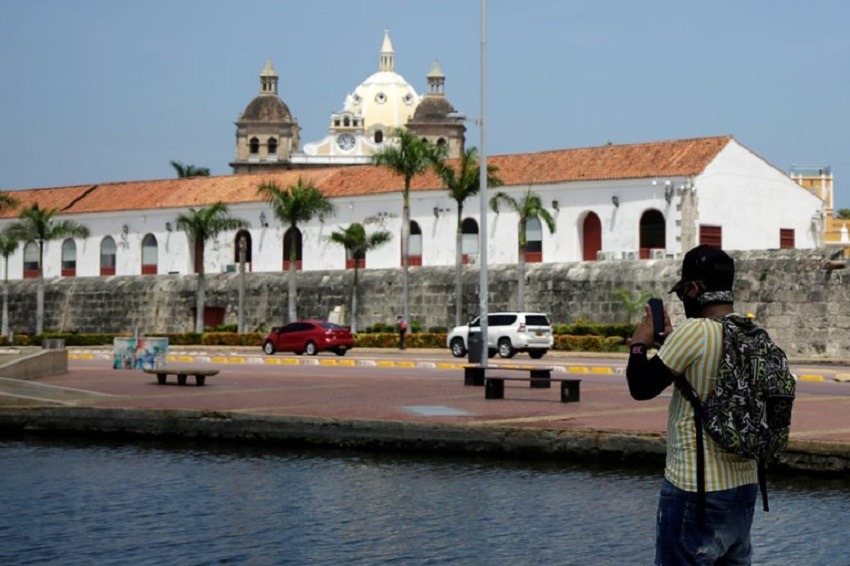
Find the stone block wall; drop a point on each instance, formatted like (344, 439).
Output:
(805, 306)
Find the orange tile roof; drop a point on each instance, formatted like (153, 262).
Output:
(656, 159)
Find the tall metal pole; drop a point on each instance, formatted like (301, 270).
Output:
(482, 191)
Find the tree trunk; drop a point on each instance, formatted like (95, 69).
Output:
(5, 330)
(354, 300)
(405, 245)
(39, 295)
(199, 304)
(292, 284)
(240, 320)
(459, 267)
(520, 288)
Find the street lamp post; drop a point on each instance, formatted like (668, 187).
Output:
(482, 191)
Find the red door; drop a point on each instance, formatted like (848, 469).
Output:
(591, 237)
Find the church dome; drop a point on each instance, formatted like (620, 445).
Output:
(267, 108)
(434, 109)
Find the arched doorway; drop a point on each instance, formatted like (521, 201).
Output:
(288, 237)
(414, 245)
(469, 240)
(591, 237)
(150, 252)
(240, 235)
(653, 233)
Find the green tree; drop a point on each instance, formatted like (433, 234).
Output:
(186, 171)
(407, 156)
(7, 201)
(463, 180)
(38, 225)
(8, 245)
(201, 226)
(356, 243)
(632, 304)
(528, 207)
(844, 213)
(293, 205)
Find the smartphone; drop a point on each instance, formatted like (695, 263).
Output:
(656, 308)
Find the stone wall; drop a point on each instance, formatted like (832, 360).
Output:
(805, 306)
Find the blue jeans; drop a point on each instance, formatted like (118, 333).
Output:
(722, 537)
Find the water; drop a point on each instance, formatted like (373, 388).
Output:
(70, 503)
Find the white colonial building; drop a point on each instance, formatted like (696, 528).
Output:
(615, 202)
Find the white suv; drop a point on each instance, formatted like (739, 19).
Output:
(508, 333)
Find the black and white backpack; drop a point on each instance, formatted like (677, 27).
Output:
(749, 411)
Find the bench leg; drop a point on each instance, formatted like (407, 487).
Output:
(473, 376)
(538, 376)
(570, 391)
(181, 379)
(160, 378)
(199, 379)
(494, 388)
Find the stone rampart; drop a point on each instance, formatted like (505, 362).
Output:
(805, 305)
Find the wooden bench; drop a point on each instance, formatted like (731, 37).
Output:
(494, 386)
(182, 373)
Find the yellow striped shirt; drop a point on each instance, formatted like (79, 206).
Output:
(695, 349)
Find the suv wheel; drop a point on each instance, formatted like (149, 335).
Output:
(536, 354)
(458, 350)
(505, 348)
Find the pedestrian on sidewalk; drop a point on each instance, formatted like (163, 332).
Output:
(694, 350)
(401, 326)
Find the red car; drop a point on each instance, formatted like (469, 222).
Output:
(310, 336)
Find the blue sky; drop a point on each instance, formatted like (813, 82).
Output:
(107, 90)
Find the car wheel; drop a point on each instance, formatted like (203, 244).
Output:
(311, 349)
(536, 354)
(268, 347)
(505, 348)
(458, 350)
(340, 352)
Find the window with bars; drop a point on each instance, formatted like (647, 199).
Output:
(711, 235)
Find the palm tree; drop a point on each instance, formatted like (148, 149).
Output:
(37, 224)
(528, 207)
(186, 171)
(357, 243)
(8, 245)
(294, 204)
(463, 182)
(408, 157)
(202, 225)
(7, 201)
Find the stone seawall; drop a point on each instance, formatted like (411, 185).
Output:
(805, 305)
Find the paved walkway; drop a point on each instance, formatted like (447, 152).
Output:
(401, 388)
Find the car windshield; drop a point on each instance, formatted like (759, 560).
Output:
(536, 320)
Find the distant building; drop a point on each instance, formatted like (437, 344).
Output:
(267, 136)
(819, 181)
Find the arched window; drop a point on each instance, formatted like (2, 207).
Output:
(533, 241)
(272, 146)
(292, 235)
(414, 245)
(107, 256)
(441, 142)
(591, 237)
(30, 260)
(69, 258)
(346, 122)
(469, 240)
(240, 235)
(254, 146)
(379, 136)
(653, 234)
(150, 254)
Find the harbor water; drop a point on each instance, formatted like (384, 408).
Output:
(75, 503)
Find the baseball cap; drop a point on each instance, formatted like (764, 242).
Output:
(710, 265)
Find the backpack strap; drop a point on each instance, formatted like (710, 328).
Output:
(763, 484)
(688, 392)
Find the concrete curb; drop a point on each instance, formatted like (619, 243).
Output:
(442, 438)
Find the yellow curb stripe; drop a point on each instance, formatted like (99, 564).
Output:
(327, 362)
(447, 366)
(810, 378)
(577, 369)
(384, 364)
(185, 358)
(406, 364)
(349, 363)
(601, 370)
(219, 360)
(80, 356)
(273, 361)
